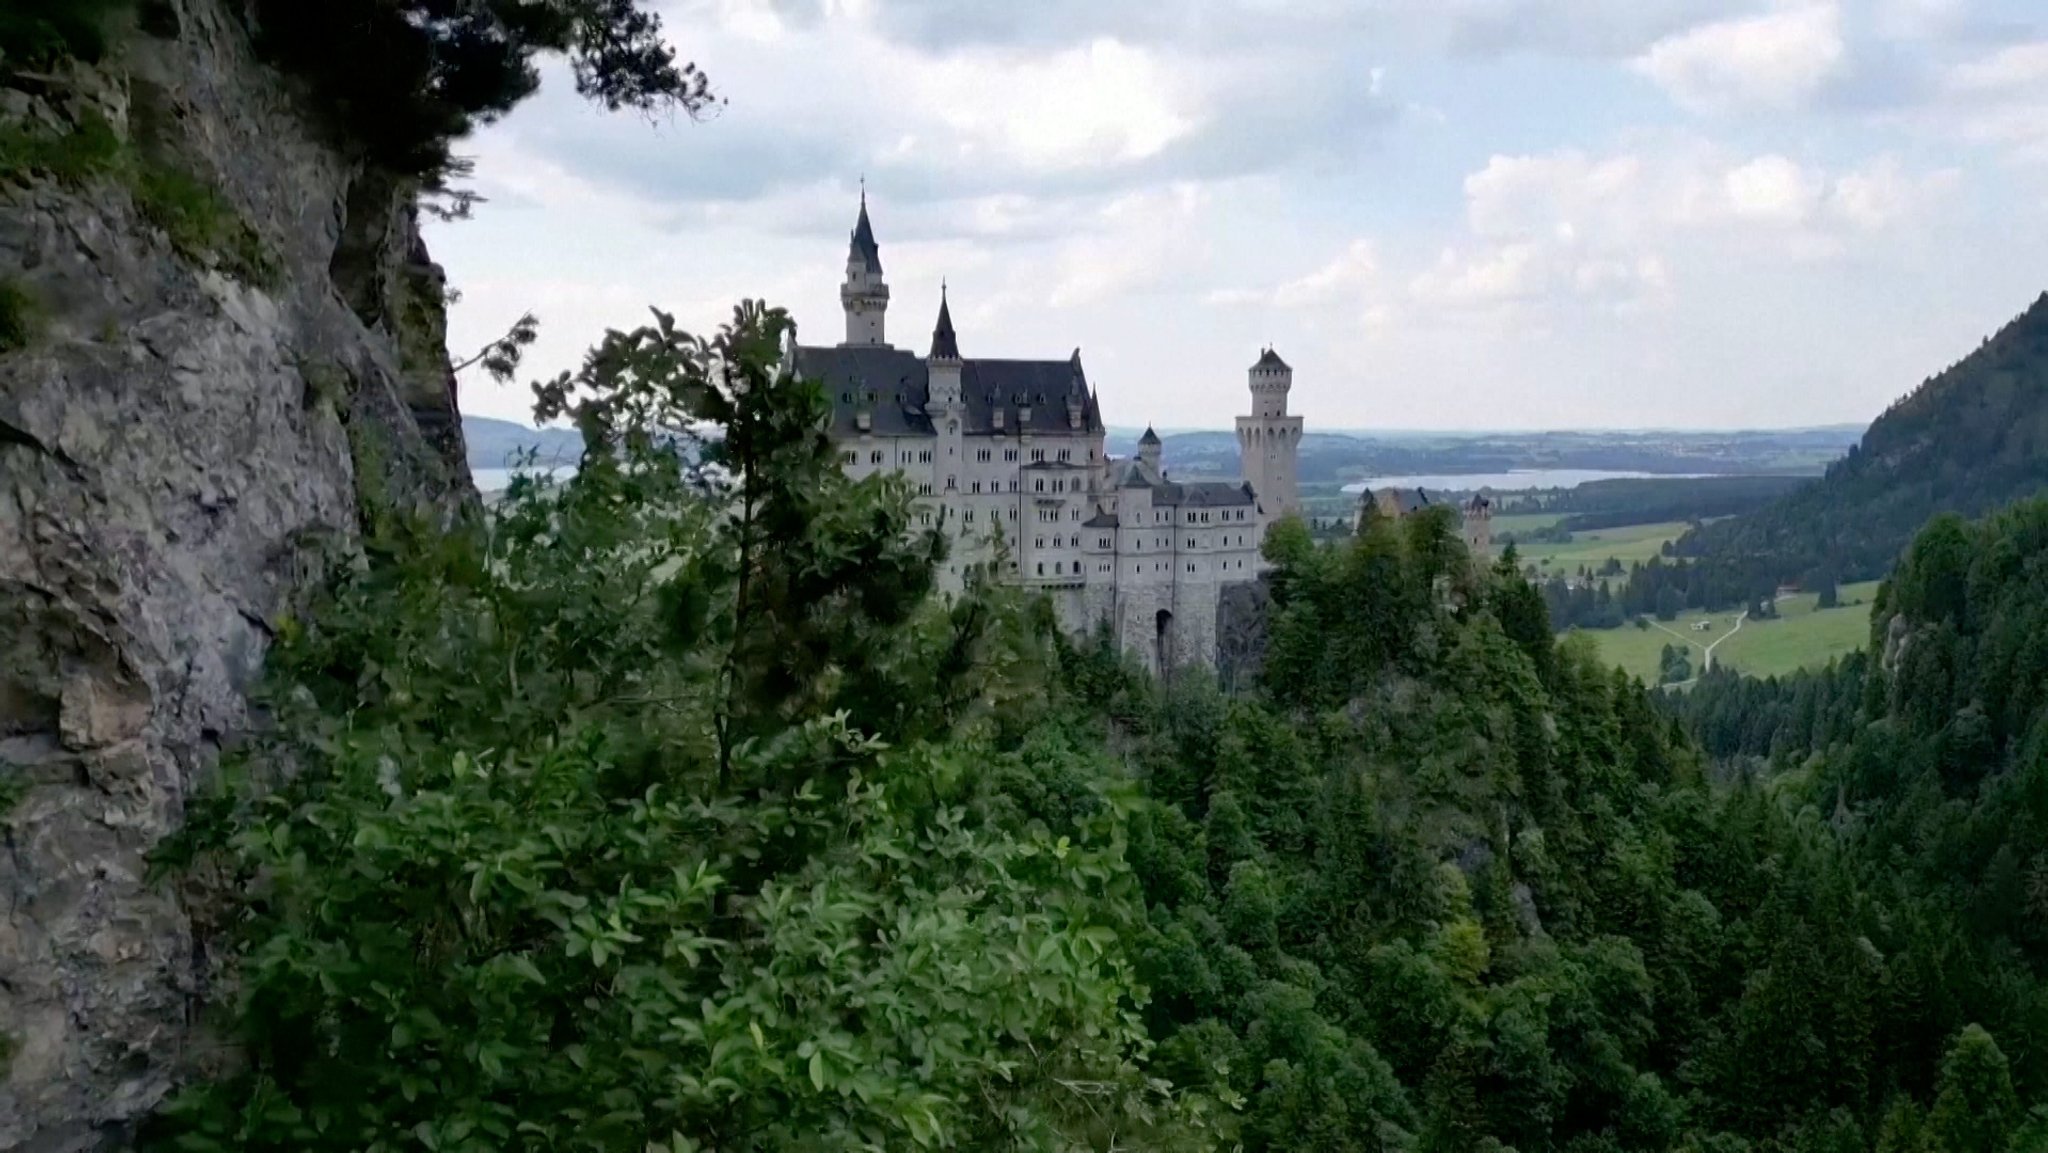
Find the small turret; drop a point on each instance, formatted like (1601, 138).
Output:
(1149, 449)
(944, 363)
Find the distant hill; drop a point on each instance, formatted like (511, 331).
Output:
(1968, 441)
(1329, 456)
(494, 443)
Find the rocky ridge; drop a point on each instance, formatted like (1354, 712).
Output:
(222, 346)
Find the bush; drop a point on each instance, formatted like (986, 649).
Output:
(201, 224)
(608, 832)
(17, 316)
(91, 149)
(38, 33)
(403, 78)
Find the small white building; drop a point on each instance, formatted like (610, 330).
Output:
(1008, 457)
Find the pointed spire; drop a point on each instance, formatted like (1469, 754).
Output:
(945, 345)
(864, 247)
(1150, 437)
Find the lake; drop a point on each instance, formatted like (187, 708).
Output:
(1514, 481)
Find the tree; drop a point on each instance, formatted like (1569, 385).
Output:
(1669, 603)
(404, 78)
(609, 828)
(1975, 1110)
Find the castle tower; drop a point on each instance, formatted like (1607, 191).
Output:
(1479, 529)
(1149, 449)
(865, 296)
(944, 362)
(1269, 440)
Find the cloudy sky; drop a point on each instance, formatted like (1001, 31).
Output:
(1447, 214)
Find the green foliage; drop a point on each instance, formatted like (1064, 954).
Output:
(88, 150)
(404, 78)
(42, 33)
(201, 224)
(1975, 1111)
(199, 221)
(665, 811)
(19, 317)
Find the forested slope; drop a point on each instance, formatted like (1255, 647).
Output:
(666, 810)
(1970, 440)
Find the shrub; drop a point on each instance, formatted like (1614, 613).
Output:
(38, 33)
(17, 316)
(403, 78)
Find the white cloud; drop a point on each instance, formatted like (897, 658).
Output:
(1103, 102)
(1774, 60)
(2001, 100)
(1351, 273)
(1772, 190)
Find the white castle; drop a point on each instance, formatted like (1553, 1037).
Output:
(1007, 457)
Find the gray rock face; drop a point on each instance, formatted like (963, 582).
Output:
(177, 446)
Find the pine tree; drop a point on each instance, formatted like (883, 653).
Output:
(1976, 1110)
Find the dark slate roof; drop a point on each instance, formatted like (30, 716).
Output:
(1270, 359)
(1150, 437)
(900, 382)
(1206, 494)
(944, 342)
(1100, 520)
(1130, 472)
(1406, 499)
(864, 245)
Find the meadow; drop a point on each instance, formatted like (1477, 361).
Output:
(1591, 548)
(1803, 636)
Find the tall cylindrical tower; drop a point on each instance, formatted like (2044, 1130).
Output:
(1269, 440)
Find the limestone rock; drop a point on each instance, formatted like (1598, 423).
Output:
(177, 446)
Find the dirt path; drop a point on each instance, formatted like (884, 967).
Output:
(1724, 636)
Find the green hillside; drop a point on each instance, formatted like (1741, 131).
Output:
(1969, 441)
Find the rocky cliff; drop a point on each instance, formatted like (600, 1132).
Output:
(220, 345)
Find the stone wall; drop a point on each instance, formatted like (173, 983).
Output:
(179, 441)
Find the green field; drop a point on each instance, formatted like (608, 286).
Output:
(1629, 544)
(1803, 636)
(1521, 522)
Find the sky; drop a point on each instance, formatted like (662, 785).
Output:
(1445, 214)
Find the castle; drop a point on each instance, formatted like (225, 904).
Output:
(1007, 457)
(1475, 516)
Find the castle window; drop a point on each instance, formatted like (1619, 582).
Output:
(1038, 542)
(977, 486)
(1041, 568)
(981, 455)
(968, 516)
(1010, 454)
(1039, 484)
(850, 457)
(875, 457)
(1066, 454)
(1038, 454)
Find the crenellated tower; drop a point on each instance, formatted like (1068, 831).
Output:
(1269, 440)
(864, 295)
